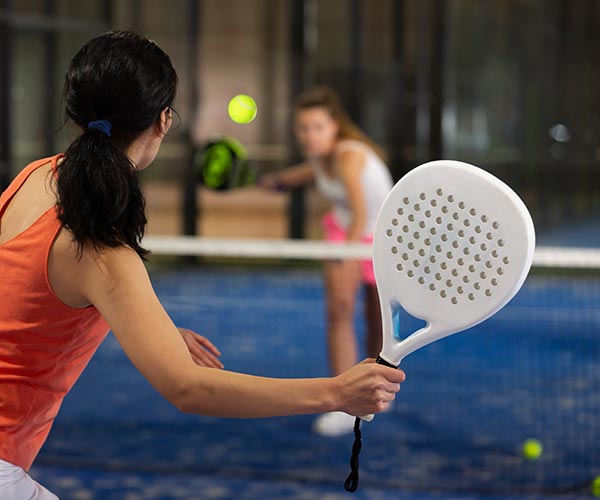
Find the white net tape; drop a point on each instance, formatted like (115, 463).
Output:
(553, 257)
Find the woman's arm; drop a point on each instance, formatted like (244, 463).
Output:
(117, 283)
(349, 166)
(295, 176)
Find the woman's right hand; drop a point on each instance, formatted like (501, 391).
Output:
(367, 388)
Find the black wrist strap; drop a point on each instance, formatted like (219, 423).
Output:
(351, 483)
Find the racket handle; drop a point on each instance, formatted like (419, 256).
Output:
(351, 483)
(379, 361)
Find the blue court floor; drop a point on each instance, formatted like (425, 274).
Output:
(469, 403)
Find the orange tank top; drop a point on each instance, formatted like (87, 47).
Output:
(44, 344)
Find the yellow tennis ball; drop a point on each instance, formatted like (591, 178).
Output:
(532, 449)
(242, 109)
(596, 486)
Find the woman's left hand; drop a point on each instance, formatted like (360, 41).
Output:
(203, 352)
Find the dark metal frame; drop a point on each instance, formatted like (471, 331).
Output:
(47, 26)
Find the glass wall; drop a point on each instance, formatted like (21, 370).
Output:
(506, 84)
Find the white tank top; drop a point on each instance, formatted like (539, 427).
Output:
(376, 183)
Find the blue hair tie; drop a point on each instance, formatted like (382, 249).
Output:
(103, 126)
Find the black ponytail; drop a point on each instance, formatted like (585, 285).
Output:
(126, 80)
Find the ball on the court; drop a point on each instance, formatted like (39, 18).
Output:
(595, 486)
(242, 109)
(532, 449)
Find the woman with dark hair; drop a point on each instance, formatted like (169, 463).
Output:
(348, 170)
(72, 267)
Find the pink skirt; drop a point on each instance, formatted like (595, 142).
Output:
(333, 231)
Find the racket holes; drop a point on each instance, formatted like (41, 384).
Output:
(443, 294)
(494, 282)
(427, 241)
(461, 261)
(466, 251)
(444, 237)
(438, 220)
(488, 236)
(449, 283)
(433, 230)
(389, 232)
(416, 263)
(455, 216)
(473, 212)
(482, 275)
(411, 218)
(394, 222)
(399, 267)
(444, 209)
(404, 256)
(471, 297)
(454, 272)
(410, 273)
(477, 286)
(478, 229)
(405, 229)
(394, 249)
(433, 203)
(454, 300)
(488, 293)
(400, 211)
(455, 244)
(466, 279)
(399, 239)
(460, 290)
(438, 276)
(427, 213)
(472, 268)
(417, 207)
(472, 240)
(411, 245)
(461, 233)
(477, 257)
(449, 255)
(422, 225)
(494, 253)
(444, 266)
(488, 264)
(500, 243)
(439, 191)
(422, 196)
(461, 204)
(416, 235)
(483, 247)
(450, 227)
(500, 271)
(426, 269)
(405, 200)
(432, 287)
(495, 225)
(505, 260)
(421, 280)
(432, 259)
(484, 218)
(467, 222)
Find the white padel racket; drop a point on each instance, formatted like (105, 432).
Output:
(452, 245)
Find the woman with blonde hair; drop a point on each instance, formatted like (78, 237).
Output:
(348, 170)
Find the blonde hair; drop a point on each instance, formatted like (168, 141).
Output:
(324, 97)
